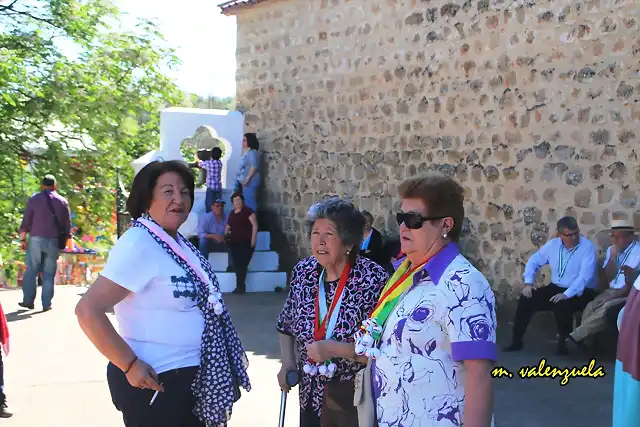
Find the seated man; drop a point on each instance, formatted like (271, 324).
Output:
(620, 265)
(572, 260)
(211, 230)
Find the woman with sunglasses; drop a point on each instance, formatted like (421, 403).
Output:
(430, 339)
(331, 293)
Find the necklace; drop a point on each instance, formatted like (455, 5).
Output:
(562, 267)
(625, 254)
(326, 317)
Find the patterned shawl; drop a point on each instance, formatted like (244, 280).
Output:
(223, 362)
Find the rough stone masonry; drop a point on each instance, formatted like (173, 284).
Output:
(532, 105)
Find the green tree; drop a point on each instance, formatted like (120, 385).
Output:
(79, 96)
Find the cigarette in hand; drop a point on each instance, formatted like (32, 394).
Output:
(154, 397)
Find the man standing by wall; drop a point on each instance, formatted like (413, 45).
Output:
(47, 221)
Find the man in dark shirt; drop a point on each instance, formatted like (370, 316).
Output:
(42, 249)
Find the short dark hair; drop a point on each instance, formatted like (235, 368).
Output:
(252, 141)
(237, 194)
(216, 153)
(367, 216)
(145, 181)
(441, 195)
(567, 222)
(48, 181)
(349, 222)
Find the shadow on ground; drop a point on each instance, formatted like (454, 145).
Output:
(22, 314)
(538, 402)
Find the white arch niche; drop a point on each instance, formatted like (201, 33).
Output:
(180, 124)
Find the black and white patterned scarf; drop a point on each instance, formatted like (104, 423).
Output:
(223, 362)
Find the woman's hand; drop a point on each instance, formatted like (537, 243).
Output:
(282, 376)
(141, 375)
(320, 351)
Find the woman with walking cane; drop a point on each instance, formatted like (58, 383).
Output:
(331, 293)
(176, 359)
(429, 343)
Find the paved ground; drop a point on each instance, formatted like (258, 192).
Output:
(55, 378)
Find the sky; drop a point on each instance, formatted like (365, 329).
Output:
(204, 39)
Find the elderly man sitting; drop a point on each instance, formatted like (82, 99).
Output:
(211, 227)
(620, 265)
(572, 260)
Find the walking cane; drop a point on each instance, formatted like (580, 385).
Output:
(292, 379)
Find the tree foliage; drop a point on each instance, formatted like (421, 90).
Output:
(79, 96)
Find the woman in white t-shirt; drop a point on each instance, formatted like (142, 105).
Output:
(176, 359)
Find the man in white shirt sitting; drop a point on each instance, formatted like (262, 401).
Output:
(620, 265)
(572, 260)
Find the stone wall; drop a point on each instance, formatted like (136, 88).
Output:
(533, 106)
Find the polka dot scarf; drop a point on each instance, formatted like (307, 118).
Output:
(223, 362)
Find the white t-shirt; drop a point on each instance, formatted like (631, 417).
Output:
(159, 319)
(629, 257)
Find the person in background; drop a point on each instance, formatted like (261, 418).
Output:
(248, 175)
(47, 221)
(371, 246)
(626, 386)
(211, 229)
(213, 180)
(572, 260)
(241, 232)
(175, 335)
(335, 273)
(620, 266)
(4, 343)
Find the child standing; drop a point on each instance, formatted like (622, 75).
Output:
(213, 182)
(4, 343)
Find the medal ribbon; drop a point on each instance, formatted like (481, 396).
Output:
(562, 267)
(627, 254)
(326, 319)
(401, 280)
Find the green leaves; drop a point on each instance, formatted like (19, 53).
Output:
(79, 98)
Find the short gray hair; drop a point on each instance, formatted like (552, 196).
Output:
(349, 221)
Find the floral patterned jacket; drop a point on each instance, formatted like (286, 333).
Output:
(362, 291)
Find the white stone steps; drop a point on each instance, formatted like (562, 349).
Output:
(262, 281)
(261, 261)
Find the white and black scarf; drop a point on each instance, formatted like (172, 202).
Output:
(223, 362)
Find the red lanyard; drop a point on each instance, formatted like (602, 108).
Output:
(321, 327)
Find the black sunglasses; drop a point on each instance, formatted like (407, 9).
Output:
(414, 220)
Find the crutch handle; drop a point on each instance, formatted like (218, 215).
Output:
(292, 378)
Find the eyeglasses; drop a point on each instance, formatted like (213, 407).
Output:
(570, 234)
(414, 220)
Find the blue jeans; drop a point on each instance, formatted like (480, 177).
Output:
(42, 255)
(250, 193)
(210, 197)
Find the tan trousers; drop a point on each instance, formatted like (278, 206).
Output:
(594, 315)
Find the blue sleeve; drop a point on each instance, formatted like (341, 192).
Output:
(252, 159)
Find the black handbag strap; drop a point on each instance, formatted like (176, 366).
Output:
(53, 213)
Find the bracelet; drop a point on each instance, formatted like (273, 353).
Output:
(133, 362)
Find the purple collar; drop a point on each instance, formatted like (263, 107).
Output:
(435, 266)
